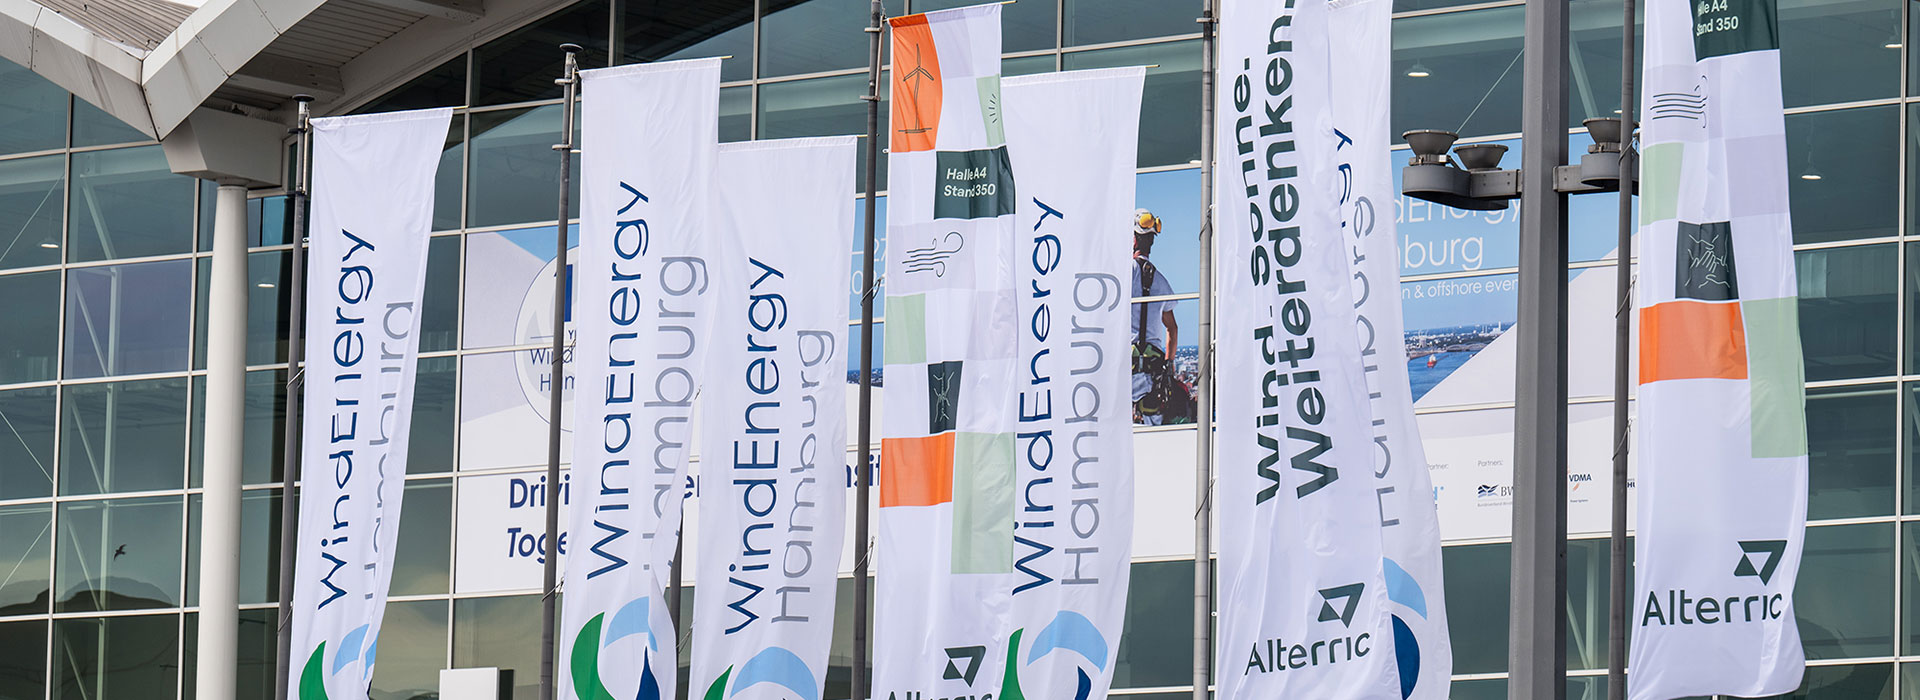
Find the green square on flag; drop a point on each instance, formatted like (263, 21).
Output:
(983, 487)
(906, 330)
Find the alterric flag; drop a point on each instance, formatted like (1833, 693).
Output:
(1722, 424)
(1304, 598)
(773, 419)
(1409, 519)
(1072, 136)
(372, 211)
(649, 136)
(946, 502)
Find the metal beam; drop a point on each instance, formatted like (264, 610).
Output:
(280, 75)
(456, 10)
(1537, 639)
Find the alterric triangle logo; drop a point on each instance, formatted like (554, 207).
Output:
(1773, 549)
(971, 655)
(1349, 595)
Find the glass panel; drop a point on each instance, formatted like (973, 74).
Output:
(1594, 57)
(259, 547)
(1868, 682)
(421, 558)
(413, 649)
(127, 319)
(261, 443)
(440, 305)
(1029, 25)
(1159, 599)
(269, 275)
(26, 443)
(515, 173)
(736, 113)
(434, 414)
(31, 305)
(1170, 106)
(446, 178)
(1837, 51)
(503, 633)
(1850, 434)
(26, 556)
(118, 555)
(810, 36)
(116, 657)
(1589, 563)
(208, 200)
(269, 221)
(94, 127)
(817, 107)
(33, 111)
(30, 211)
(1844, 594)
(521, 66)
(125, 436)
(1104, 21)
(1847, 302)
(1458, 71)
(664, 30)
(443, 86)
(1027, 65)
(23, 659)
(1842, 174)
(127, 203)
(1477, 589)
(256, 646)
(1910, 588)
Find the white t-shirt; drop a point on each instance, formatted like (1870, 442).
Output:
(1156, 327)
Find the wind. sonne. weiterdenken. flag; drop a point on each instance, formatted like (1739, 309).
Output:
(1722, 424)
(946, 502)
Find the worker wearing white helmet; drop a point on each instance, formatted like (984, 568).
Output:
(1154, 331)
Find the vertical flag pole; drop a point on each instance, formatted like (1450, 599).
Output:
(1618, 605)
(1203, 458)
(862, 472)
(296, 347)
(569, 81)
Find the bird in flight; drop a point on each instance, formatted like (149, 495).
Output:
(120, 551)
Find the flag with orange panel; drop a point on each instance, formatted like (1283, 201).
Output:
(946, 506)
(1722, 485)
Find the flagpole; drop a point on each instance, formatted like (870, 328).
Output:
(1620, 556)
(569, 81)
(861, 472)
(290, 454)
(1203, 449)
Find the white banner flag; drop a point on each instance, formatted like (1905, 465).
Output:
(1072, 137)
(774, 419)
(1304, 608)
(1722, 424)
(372, 211)
(947, 481)
(1409, 517)
(649, 136)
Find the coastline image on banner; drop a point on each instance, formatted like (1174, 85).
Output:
(773, 420)
(649, 136)
(1722, 406)
(1071, 138)
(947, 481)
(372, 211)
(1304, 606)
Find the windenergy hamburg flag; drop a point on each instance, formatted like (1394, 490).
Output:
(946, 503)
(650, 138)
(774, 419)
(1722, 424)
(1072, 136)
(1304, 599)
(372, 211)
(1403, 490)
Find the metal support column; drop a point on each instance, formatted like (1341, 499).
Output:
(862, 471)
(569, 80)
(218, 649)
(1537, 656)
(296, 352)
(1203, 388)
(1620, 557)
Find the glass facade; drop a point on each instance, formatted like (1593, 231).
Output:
(104, 263)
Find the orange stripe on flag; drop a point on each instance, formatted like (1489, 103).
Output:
(916, 471)
(1692, 340)
(915, 117)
